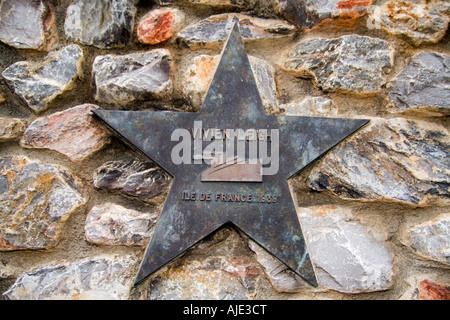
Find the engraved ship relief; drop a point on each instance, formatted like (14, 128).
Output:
(232, 169)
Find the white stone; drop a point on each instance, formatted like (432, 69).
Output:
(99, 278)
(347, 257)
(100, 23)
(111, 224)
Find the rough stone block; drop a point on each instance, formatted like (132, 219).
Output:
(141, 179)
(348, 258)
(309, 13)
(240, 4)
(391, 160)
(350, 64)
(280, 276)
(72, 132)
(100, 23)
(39, 83)
(418, 21)
(133, 77)
(159, 25)
(99, 278)
(27, 24)
(11, 128)
(208, 278)
(111, 224)
(423, 86)
(311, 107)
(431, 239)
(426, 287)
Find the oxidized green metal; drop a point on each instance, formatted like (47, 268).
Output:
(196, 208)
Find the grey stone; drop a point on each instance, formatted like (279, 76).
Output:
(11, 128)
(100, 23)
(133, 77)
(417, 21)
(350, 64)
(99, 278)
(309, 13)
(423, 86)
(38, 84)
(141, 179)
(391, 160)
(280, 276)
(430, 239)
(27, 24)
(311, 107)
(212, 31)
(347, 257)
(111, 224)
(35, 200)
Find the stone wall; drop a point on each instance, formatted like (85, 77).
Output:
(78, 206)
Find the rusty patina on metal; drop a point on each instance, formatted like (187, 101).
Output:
(262, 207)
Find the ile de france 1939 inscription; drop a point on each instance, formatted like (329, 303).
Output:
(230, 163)
(228, 197)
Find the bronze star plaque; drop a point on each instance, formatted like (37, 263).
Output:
(230, 163)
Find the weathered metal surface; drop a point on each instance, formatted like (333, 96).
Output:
(264, 209)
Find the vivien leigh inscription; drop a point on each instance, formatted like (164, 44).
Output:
(228, 197)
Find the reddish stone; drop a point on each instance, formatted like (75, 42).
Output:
(433, 291)
(159, 25)
(72, 132)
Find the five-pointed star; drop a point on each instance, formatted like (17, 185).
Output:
(232, 101)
